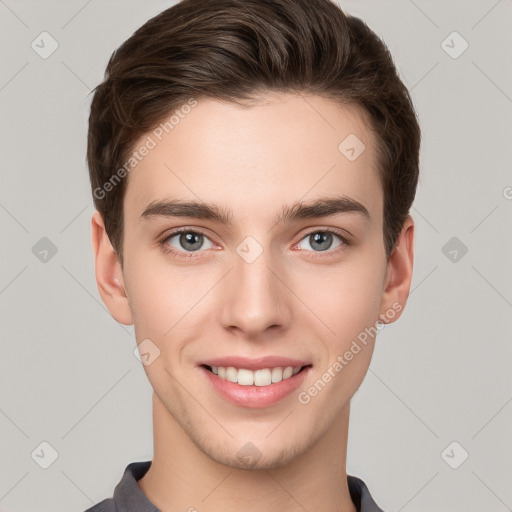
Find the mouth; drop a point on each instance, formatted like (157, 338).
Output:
(260, 377)
(253, 389)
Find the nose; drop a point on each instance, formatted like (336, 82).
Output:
(255, 297)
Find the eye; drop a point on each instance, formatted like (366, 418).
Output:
(322, 240)
(186, 240)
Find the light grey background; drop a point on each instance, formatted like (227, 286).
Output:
(442, 373)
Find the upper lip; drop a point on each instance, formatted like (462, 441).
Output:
(255, 364)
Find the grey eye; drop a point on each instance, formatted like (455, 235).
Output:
(188, 241)
(321, 240)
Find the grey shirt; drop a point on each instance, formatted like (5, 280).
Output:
(128, 496)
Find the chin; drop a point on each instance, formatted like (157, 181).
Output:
(253, 455)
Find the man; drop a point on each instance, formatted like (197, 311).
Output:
(253, 163)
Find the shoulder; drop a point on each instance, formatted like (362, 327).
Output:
(107, 505)
(360, 495)
(128, 496)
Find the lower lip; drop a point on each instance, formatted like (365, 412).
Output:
(255, 396)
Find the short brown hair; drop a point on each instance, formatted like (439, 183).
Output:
(233, 50)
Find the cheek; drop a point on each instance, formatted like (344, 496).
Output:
(157, 299)
(348, 305)
(167, 300)
(346, 299)
(359, 304)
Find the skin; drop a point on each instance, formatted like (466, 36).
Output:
(293, 300)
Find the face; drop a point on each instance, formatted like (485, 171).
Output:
(251, 282)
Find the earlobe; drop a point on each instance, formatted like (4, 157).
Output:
(109, 274)
(397, 282)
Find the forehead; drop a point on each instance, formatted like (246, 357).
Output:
(282, 149)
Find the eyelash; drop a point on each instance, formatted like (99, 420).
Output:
(194, 254)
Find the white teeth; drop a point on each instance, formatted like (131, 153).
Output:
(262, 377)
(245, 377)
(231, 374)
(287, 372)
(277, 374)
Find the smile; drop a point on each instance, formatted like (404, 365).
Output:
(260, 377)
(254, 388)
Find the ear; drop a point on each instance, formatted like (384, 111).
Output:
(109, 274)
(397, 282)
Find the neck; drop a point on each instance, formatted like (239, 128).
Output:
(183, 477)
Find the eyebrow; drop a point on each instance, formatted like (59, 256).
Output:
(322, 207)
